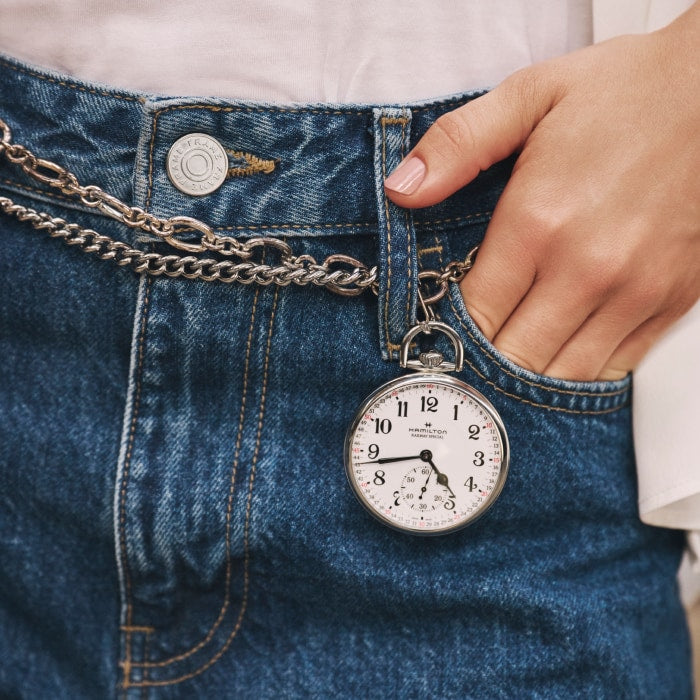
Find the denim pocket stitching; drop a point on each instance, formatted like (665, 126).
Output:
(239, 436)
(499, 365)
(387, 293)
(128, 628)
(529, 382)
(246, 566)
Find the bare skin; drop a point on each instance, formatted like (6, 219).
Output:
(594, 247)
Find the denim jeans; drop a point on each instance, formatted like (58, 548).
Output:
(175, 520)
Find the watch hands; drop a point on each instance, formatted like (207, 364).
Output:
(386, 460)
(427, 456)
(424, 488)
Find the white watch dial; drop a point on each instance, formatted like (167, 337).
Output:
(426, 454)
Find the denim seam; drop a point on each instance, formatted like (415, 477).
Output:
(244, 603)
(128, 631)
(12, 183)
(409, 263)
(229, 509)
(73, 86)
(301, 110)
(151, 147)
(144, 672)
(255, 227)
(388, 243)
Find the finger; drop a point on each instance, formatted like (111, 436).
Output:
(549, 315)
(471, 138)
(503, 273)
(633, 348)
(586, 355)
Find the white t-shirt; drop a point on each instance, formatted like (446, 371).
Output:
(294, 50)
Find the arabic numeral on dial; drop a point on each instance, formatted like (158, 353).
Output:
(456, 408)
(379, 479)
(403, 409)
(429, 404)
(397, 497)
(382, 425)
(478, 460)
(474, 431)
(449, 504)
(373, 451)
(469, 483)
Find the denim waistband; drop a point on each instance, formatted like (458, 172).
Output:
(120, 140)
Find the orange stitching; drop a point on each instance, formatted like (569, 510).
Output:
(427, 251)
(137, 628)
(229, 509)
(125, 478)
(561, 409)
(74, 86)
(254, 164)
(246, 529)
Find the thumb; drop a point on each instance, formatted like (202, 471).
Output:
(469, 139)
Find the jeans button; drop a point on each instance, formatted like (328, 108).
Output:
(197, 164)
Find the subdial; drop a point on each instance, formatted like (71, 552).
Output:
(420, 490)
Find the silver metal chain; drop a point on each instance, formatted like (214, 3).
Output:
(341, 274)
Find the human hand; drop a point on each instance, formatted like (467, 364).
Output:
(594, 247)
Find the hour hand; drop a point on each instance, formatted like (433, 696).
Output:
(386, 460)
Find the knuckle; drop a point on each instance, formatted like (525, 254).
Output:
(540, 219)
(531, 90)
(606, 270)
(454, 129)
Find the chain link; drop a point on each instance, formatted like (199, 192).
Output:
(340, 274)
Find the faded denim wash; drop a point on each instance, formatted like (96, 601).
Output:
(175, 520)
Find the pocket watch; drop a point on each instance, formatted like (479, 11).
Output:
(426, 453)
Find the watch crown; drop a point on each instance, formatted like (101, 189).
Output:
(432, 358)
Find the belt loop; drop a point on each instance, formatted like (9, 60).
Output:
(398, 260)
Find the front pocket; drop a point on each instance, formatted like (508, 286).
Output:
(506, 377)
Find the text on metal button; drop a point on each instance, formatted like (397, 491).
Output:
(197, 164)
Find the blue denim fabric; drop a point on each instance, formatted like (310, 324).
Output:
(175, 520)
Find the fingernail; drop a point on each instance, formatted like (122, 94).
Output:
(407, 176)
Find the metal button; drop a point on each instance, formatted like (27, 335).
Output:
(197, 164)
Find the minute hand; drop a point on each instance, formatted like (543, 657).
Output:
(386, 460)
